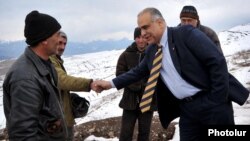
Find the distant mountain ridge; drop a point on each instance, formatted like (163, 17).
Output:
(232, 41)
(14, 49)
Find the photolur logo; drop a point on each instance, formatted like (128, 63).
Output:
(235, 132)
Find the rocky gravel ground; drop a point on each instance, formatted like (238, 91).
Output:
(110, 128)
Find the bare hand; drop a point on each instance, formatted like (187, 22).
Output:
(102, 84)
(95, 87)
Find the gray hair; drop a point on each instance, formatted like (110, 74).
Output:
(155, 13)
(63, 34)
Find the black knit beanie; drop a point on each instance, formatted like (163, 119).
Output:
(137, 32)
(189, 11)
(38, 27)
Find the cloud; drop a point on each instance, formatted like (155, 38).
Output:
(85, 21)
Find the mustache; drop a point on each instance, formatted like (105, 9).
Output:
(60, 49)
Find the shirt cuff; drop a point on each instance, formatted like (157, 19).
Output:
(112, 84)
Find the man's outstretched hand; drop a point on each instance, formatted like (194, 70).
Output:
(100, 85)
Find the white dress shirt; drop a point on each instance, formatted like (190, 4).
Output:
(172, 79)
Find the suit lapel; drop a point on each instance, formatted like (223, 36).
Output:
(172, 50)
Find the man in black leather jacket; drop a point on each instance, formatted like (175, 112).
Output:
(30, 95)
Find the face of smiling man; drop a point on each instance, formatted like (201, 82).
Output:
(152, 27)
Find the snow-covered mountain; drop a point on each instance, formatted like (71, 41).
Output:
(101, 65)
(235, 39)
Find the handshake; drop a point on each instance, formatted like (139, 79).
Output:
(100, 85)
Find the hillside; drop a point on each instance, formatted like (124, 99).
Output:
(104, 114)
(235, 39)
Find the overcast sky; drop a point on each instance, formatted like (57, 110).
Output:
(88, 20)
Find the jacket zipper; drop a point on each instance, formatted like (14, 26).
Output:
(60, 108)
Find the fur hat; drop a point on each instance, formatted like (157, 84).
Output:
(137, 32)
(189, 11)
(38, 27)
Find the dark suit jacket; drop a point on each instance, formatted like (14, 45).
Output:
(197, 60)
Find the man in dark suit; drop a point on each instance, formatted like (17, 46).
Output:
(194, 83)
